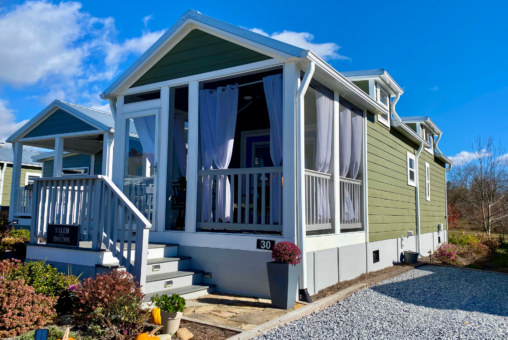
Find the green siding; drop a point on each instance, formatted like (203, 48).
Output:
(199, 52)
(58, 123)
(363, 85)
(6, 193)
(76, 161)
(392, 209)
(432, 212)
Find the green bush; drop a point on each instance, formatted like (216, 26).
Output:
(170, 304)
(23, 234)
(463, 239)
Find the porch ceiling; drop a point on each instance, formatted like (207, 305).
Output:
(85, 144)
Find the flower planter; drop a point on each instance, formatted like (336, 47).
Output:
(170, 322)
(410, 257)
(283, 281)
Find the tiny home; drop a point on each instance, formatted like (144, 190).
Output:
(223, 142)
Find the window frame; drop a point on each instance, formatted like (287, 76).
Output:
(425, 135)
(31, 174)
(427, 181)
(410, 182)
(381, 119)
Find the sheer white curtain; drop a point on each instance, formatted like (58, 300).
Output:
(272, 86)
(218, 111)
(324, 113)
(207, 117)
(180, 147)
(225, 125)
(356, 152)
(345, 141)
(145, 128)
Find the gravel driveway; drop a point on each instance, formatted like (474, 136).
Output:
(426, 303)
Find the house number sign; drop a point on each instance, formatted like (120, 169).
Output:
(265, 244)
(63, 235)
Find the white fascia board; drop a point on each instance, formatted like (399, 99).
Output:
(50, 109)
(443, 158)
(197, 19)
(409, 133)
(345, 87)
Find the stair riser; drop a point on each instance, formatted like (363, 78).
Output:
(155, 253)
(178, 282)
(169, 267)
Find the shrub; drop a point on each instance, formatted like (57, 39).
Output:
(489, 241)
(463, 239)
(23, 234)
(43, 278)
(67, 301)
(110, 305)
(286, 252)
(55, 333)
(447, 253)
(171, 304)
(22, 309)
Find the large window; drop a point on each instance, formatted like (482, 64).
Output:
(411, 169)
(427, 181)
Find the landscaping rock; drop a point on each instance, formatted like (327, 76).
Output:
(184, 334)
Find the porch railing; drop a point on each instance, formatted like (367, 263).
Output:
(105, 217)
(23, 207)
(319, 200)
(255, 196)
(350, 203)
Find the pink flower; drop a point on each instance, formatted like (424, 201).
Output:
(453, 257)
(72, 287)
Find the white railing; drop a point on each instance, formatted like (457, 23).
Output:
(255, 200)
(350, 203)
(105, 217)
(319, 200)
(23, 202)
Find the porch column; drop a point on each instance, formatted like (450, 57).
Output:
(164, 154)
(336, 163)
(107, 155)
(58, 160)
(17, 149)
(192, 158)
(120, 139)
(289, 205)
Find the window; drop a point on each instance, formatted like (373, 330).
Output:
(384, 98)
(75, 171)
(427, 181)
(375, 256)
(429, 138)
(411, 173)
(29, 177)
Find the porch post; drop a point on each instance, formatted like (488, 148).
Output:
(120, 139)
(58, 160)
(107, 154)
(336, 163)
(17, 149)
(165, 151)
(291, 82)
(192, 158)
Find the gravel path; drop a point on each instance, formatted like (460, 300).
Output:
(425, 303)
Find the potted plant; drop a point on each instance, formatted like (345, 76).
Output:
(283, 274)
(171, 311)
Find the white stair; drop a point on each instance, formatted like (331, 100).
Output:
(166, 273)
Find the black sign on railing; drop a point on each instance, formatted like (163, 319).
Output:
(63, 235)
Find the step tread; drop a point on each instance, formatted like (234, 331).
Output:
(172, 275)
(181, 290)
(167, 259)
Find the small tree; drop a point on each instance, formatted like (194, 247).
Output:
(484, 184)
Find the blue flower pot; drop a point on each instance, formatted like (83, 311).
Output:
(283, 280)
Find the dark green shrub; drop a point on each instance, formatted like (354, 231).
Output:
(170, 304)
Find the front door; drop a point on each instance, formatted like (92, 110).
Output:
(142, 149)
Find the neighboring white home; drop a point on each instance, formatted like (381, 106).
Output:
(30, 169)
(222, 141)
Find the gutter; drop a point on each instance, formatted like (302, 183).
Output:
(300, 171)
(2, 175)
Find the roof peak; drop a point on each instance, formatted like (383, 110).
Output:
(84, 107)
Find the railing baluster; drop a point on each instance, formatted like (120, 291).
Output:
(263, 198)
(107, 226)
(121, 224)
(247, 199)
(271, 198)
(209, 218)
(255, 199)
(279, 185)
(232, 205)
(86, 217)
(240, 194)
(128, 265)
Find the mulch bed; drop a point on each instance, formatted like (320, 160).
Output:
(370, 278)
(205, 332)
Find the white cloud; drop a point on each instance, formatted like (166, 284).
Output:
(465, 157)
(8, 120)
(327, 51)
(147, 19)
(435, 88)
(117, 52)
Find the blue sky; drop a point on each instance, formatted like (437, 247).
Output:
(450, 57)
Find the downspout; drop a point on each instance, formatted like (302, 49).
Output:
(300, 169)
(112, 106)
(417, 177)
(2, 175)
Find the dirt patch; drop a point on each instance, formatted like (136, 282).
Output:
(370, 278)
(206, 332)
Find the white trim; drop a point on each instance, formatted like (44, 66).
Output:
(33, 174)
(2, 175)
(330, 241)
(409, 181)
(365, 179)
(336, 162)
(192, 158)
(17, 150)
(143, 113)
(380, 117)
(63, 135)
(427, 181)
(232, 71)
(141, 106)
(165, 136)
(120, 139)
(107, 154)
(58, 160)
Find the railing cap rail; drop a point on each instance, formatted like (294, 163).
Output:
(350, 180)
(67, 178)
(241, 171)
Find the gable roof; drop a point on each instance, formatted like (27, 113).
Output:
(379, 72)
(7, 155)
(422, 119)
(99, 119)
(198, 18)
